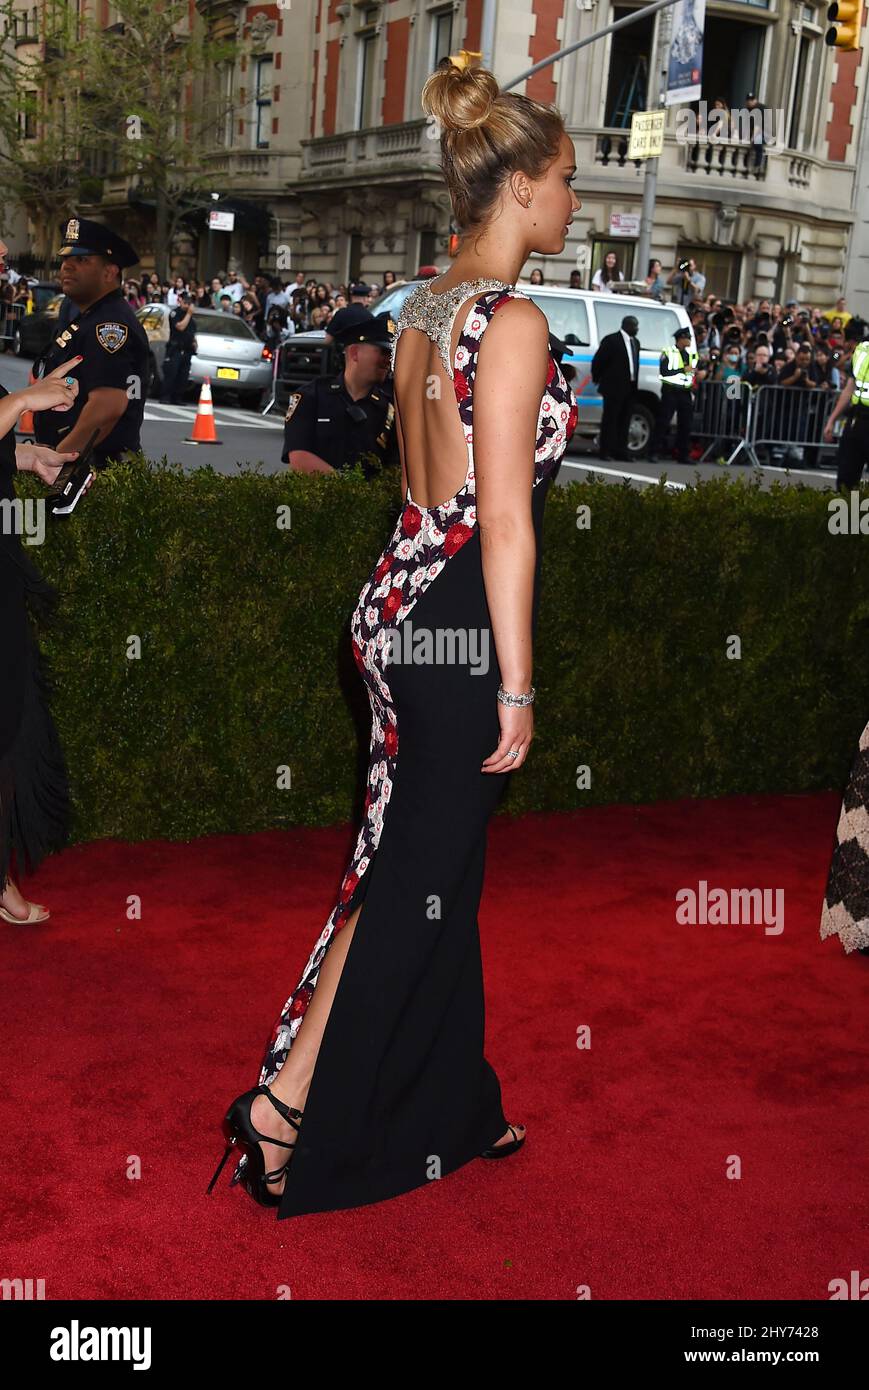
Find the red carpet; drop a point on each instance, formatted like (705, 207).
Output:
(126, 1039)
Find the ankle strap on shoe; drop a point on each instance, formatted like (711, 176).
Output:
(287, 1111)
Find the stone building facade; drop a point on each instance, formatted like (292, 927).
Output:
(331, 167)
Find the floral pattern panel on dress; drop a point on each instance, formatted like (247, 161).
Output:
(558, 412)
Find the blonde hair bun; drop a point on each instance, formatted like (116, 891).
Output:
(459, 98)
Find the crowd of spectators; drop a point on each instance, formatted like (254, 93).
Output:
(273, 306)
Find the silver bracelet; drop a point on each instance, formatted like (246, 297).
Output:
(507, 699)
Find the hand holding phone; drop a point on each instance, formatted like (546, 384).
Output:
(73, 481)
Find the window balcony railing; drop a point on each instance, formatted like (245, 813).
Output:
(375, 149)
(724, 162)
(243, 163)
(732, 159)
(613, 150)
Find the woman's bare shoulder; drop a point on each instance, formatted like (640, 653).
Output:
(516, 313)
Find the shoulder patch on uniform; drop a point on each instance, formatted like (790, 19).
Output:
(293, 402)
(112, 336)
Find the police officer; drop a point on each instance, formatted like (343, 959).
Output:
(854, 440)
(107, 335)
(179, 350)
(332, 421)
(677, 370)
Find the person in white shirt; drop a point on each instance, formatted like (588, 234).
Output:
(606, 275)
(178, 287)
(235, 286)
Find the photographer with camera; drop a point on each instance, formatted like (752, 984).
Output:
(804, 374)
(827, 362)
(687, 281)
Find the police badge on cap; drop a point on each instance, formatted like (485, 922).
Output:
(82, 237)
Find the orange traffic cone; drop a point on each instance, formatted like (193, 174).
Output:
(25, 419)
(204, 431)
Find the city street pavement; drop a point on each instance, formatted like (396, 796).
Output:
(252, 440)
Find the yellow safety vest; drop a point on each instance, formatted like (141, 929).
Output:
(683, 376)
(860, 373)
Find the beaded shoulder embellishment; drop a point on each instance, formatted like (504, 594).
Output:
(434, 314)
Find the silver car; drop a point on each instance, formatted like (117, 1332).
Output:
(227, 351)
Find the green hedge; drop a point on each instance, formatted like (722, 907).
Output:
(246, 662)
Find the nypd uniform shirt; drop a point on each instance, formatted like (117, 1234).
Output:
(114, 347)
(181, 339)
(318, 420)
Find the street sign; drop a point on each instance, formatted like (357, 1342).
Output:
(221, 221)
(624, 224)
(647, 135)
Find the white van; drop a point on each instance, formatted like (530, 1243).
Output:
(580, 318)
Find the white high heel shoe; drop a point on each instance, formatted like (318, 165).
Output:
(36, 913)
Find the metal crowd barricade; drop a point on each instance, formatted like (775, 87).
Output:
(771, 417)
(720, 417)
(10, 316)
(791, 417)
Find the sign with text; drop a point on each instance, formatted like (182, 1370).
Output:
(685, 64)
(647, 135)
(624, 224)
(221, 221)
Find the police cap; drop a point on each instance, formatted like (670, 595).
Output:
(356, 324)
(82, 237)
(682, 332)
(359, 289)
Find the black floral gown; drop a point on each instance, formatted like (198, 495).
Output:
(846, 902)
(34, 793)
(401, 1090)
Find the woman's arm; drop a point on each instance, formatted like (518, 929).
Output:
(508, 389)
(11, 407)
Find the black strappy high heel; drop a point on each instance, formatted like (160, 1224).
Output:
(241, 1132)
(503, 1150)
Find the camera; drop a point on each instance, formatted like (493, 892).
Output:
(683, 266)
(787, 320)
(835, 354)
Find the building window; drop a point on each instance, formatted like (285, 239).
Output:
(226, 104)
(732, 52)
(26, 26)
(628, 70)
(262, 103)
(802, 91)
(367, 83)
(441, 35)
(27, 116)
